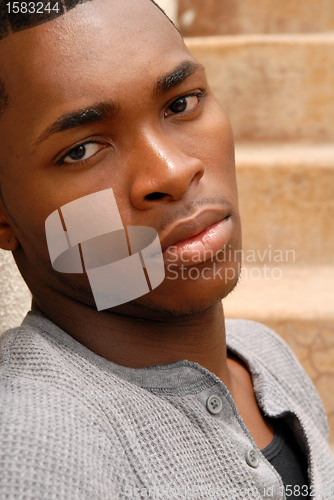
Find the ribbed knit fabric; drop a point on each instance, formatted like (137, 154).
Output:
(74, 426)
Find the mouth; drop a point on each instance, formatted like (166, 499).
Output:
(197, 239)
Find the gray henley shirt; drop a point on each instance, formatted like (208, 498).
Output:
(76, 426)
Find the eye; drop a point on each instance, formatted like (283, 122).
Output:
(184, 104)
(82, 152)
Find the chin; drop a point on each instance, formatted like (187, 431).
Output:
(187, 296)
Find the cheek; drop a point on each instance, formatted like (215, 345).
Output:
(221, 141)
(27, 205)
(218, 154)
(213, 138)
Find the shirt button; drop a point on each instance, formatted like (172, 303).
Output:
(214, 405)
(252, 458)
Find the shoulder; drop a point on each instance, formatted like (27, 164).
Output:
(43, 383)
(37, 381)
(27, 354)
(263, 346)
(280, 381)
(264, 350)
(51, 421)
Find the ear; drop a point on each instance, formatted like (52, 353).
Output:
(8, 240)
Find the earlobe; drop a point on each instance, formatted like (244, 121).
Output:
(8, 240)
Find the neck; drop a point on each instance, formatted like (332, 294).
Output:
(138, 342)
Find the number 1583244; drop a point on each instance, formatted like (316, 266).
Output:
(32, 7)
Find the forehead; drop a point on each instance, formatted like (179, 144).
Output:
(100, 44)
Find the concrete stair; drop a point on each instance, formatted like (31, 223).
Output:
(286, 196)
(273, 87)
(15, 297)
(275, 79)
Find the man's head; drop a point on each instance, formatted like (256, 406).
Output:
(108, 96)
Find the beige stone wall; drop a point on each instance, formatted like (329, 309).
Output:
(229, 17)
(15, 298)
(272, 87)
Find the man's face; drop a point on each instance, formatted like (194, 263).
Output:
(148, 127)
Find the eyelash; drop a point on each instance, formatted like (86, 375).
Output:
(62, 159)
(200, 94)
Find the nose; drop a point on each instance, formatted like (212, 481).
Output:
(162, 170)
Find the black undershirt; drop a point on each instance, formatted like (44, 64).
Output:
(286, 456)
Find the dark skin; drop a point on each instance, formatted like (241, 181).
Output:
(147, 147)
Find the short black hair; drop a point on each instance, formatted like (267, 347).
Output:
(13, 22)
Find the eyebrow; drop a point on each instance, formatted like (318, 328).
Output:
(109, 110)
(85, 116)
(177, 76)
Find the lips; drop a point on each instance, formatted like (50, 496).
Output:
(198, 238)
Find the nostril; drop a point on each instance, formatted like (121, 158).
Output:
(155, 196)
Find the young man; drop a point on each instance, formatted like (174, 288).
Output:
(155, 397)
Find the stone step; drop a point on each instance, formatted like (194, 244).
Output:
(298, 305)
(273, 87)
(15, 297)
(286, 197)
(228, 17)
